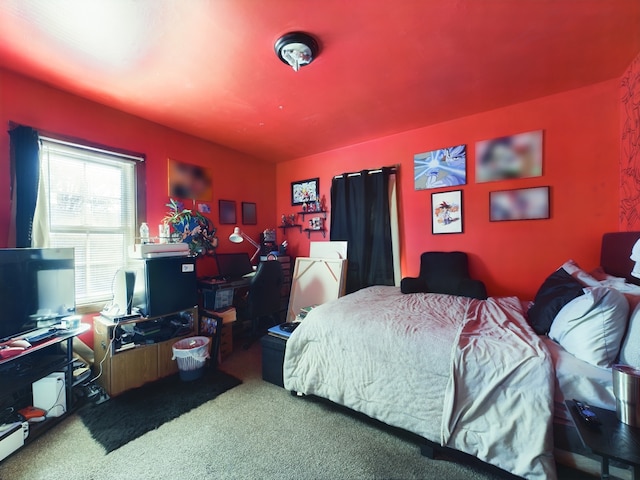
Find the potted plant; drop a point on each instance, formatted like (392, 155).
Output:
(190, 227)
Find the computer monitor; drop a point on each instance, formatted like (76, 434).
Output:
(232, 266)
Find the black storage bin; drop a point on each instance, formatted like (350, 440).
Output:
(273, 359)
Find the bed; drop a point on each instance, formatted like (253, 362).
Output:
(463, 373)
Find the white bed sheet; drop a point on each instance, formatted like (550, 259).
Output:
(580, 380)
(469, 374)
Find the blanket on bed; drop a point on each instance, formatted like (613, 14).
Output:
(469, 374)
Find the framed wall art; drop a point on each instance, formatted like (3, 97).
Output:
(227, 212)
(305, 191)
(189, 181)
(446, 167)
(249, 214)
(514, 156)
(519, 204)
(446, 212)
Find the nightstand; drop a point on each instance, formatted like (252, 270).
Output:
(273, 359)
(612, 440)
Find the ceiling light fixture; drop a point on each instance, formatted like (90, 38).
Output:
(296, 49)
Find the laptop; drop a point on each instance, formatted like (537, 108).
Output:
(234, 266)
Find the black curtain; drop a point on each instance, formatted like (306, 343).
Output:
(360, 215)
(25, 174)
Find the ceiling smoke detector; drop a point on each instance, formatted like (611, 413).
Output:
(296, 49)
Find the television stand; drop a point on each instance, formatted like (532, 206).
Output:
(129, 362)
(18, 373)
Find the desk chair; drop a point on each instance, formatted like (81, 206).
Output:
(263, 298)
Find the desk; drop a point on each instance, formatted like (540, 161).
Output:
(611, 440)
(212, 292)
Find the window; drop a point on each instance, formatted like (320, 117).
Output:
(87, 200)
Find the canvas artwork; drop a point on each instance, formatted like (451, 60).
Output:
(516, 156)
(446, 167)
(305, 191)
(189, 181)
(520, 204)
(446, 212)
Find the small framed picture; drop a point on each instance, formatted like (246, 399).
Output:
(446, 212)
(519, 204)
(227, 211)
(249, 216)
(305, 191)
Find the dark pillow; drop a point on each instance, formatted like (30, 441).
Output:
(556, 291)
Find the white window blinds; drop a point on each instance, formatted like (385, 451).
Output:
(90, 204)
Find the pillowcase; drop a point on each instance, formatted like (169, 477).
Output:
(556, 291)
(573, 269)
(630, 350)
(591, 327)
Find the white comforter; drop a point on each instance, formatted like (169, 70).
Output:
(466, 373)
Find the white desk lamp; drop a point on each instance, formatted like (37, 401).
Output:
(238, 236)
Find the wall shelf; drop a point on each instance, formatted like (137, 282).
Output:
(323, 212)
(285, 227)
(310, 230)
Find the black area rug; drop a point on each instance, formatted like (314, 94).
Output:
(126, 417)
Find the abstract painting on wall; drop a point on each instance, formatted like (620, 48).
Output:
(446, 212)
(515, 156)
(519, 204)
(445, 167)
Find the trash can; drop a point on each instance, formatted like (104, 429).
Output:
(626, 388)
(191, 354)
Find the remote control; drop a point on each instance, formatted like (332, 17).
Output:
(587, 415)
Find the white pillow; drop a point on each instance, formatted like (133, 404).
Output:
(630, 350)
(591, 327)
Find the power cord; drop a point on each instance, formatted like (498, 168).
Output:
(106, 352)
(57, 402)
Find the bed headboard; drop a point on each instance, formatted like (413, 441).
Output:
(615, 253)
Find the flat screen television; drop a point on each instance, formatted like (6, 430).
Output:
(37, 288)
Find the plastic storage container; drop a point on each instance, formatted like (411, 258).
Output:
(191, 354)
(626, 388)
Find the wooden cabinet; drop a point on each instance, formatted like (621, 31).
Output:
(131, 369)
(130, 365)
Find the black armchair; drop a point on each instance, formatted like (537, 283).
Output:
(444, 272)
(264, 297)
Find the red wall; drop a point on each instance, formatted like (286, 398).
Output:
(582, 148)
(581, 151)
(235, 175)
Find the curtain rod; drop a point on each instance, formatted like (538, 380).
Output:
(393, 168)
(94, 149)
(87, 144)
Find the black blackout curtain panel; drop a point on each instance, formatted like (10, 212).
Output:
(360, 215)
(25, 174)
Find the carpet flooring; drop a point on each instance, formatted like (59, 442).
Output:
(126, 417)
(254, 431)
